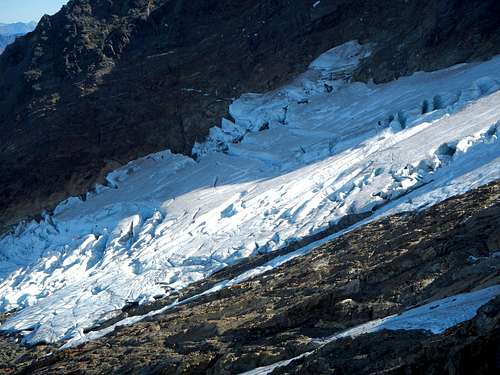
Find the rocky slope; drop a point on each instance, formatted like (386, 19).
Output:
(379, 269)
(103, 82)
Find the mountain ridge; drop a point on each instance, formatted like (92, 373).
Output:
(9, 32)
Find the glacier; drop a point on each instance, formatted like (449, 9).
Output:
(294, 162)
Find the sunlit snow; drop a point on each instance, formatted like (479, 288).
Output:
(295, 161)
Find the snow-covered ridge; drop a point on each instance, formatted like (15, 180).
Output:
(295, 161)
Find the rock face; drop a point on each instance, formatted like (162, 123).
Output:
(103, 81)
(377, 270)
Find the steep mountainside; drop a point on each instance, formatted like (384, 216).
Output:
(103, 81)
(252, 187)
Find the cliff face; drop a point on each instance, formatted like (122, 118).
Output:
(103, 82)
